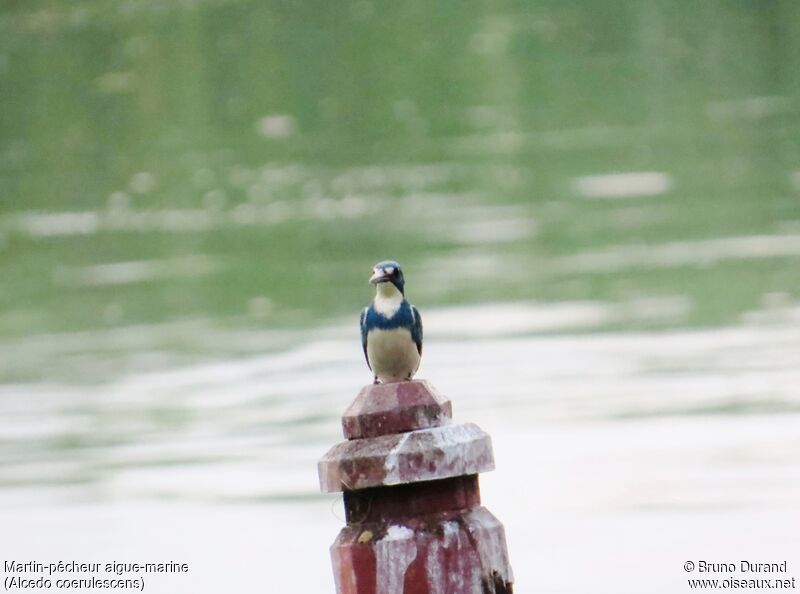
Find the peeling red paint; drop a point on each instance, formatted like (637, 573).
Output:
(412, 499)
(416, 577)
(458, 552)
(421, 455)
(382, 409)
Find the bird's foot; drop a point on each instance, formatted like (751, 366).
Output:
(375, 380)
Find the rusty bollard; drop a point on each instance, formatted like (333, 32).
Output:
(409, 476)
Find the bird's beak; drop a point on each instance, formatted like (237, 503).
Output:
(378, 276)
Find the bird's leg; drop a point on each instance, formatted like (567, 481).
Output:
(375, 380)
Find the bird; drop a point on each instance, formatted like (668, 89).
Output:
(391, 328)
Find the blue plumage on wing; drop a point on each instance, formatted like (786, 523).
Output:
(416, 329)
(363, 324)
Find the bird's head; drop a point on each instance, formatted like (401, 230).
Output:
(390, 272)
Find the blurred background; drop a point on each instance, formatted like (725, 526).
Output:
(597, 208)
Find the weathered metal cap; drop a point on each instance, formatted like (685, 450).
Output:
(382, 409)
(412, 498)
(421, 455)
(402, 433)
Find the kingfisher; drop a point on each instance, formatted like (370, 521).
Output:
(391, 328)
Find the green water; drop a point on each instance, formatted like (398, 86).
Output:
(192, 196)
(252, 160)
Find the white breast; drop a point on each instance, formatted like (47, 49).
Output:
(388, 305)
(392, 354)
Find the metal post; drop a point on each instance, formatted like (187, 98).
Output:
(415, 524)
